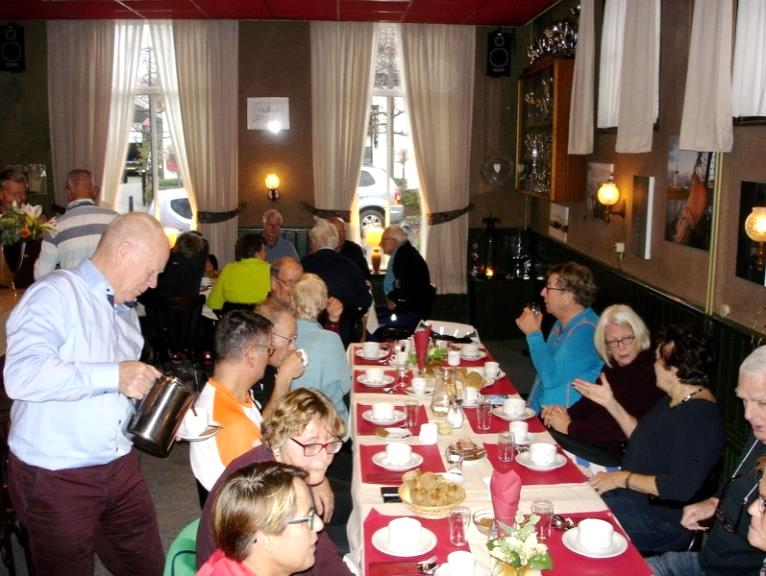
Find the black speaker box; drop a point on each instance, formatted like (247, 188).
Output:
(499, 53)
(12, 48)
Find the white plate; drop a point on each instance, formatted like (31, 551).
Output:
(411, 392)
(211, 431)
(525, 461)
(619, 545)
(426, 544)
(482, 354)
(380, 459)
(490, 381)
(444, 570)
(382, 353)
(369, 416)
(387, 379)
(395, 434)
(498, 411)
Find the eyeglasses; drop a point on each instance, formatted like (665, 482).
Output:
(731, 528)
(309, 520)
(314, 449)
(289, 283)
(386, 238)
(289, 340)
(555, 288)
(625, 340)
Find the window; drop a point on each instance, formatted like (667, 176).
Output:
(151, 171)
(388, 191)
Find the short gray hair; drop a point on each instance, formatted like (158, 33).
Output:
(324, 235)
(309, 296)
(396, 231)
(754, 364)
(620, 315)
(272, 214)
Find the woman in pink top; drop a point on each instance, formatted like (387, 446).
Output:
(264, 523)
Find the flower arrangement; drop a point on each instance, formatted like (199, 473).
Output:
(518, 547)
(24, 222)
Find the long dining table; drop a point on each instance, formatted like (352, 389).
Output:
(566, 487)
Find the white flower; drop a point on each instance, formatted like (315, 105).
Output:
(32, 211)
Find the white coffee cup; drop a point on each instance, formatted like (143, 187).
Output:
(419, 385)
(196, 424)
(398, 453)
(514, 406)
(429, 433)
(453, 358)
(594, 535)
(470, 349)
(370, 349)
(374, 375)
(542, 453)
(304, 356)
(404, 345)
(491, 370)
(520, 430)
(461, 563)
(404, 534)
(383, 411)
(470, 395)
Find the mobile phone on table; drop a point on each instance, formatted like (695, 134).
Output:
(390, 494)
(495, 399)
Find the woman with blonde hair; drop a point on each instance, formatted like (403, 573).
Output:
(586, 429)
(327, 368)
(303, 430)
(264, 523)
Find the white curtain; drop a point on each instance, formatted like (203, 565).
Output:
(639, 90)
(80, 60)
(127, 44)
(341, 81)
(581, 103)
(207, 60)
(610, 67)
(706, 123)
(749, 78)
(438, 63)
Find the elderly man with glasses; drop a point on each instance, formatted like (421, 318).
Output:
(726, 549)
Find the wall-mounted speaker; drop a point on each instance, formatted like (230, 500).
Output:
(12, 48)
(499, 45)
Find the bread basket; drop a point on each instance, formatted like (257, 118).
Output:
(456, 496)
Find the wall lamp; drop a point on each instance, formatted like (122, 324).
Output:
(608, 196)
(272, 183)
(755, 228)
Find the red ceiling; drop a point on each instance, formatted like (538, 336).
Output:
(474, 12)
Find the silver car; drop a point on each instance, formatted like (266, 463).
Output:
(371, 198)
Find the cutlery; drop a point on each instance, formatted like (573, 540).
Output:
(561, 523)
(428, 566)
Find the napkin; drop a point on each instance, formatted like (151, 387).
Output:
(422, 338)
(505, 489)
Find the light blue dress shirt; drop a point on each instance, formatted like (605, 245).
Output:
(65, 342)
(328, 368)
(389, 279)
(280, 249)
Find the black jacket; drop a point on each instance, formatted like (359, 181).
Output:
(412, 281)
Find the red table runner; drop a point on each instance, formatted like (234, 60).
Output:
(374, 474)
(367, 428)
(497, 424)
(567, 562)
(378, 563)
(567, 474)
(362, 388)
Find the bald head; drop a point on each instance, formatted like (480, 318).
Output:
(80, 186)
(131, 253)
(285, 272)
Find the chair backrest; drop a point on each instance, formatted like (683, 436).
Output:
(181, 559)
(173, 324)
(454, 329)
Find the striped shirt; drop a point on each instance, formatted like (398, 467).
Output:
(79, 231)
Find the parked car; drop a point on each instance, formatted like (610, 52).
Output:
(371, 198)
(175, 208)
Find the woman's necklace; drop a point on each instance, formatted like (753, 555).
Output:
(688, 397)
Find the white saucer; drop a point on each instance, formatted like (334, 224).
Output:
(369, 416)
(444, 570)
(209, 432)
(525, 461)
(619, 545)
(382, 353)
(411, 392)
(395, 434)
(482, 354)
(387, 379)
(490, 381)
(380, 459)
(498, 411)
(426, 544)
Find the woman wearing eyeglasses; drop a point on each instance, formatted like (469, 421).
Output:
(328, 368)
(264, 523)
(568, 353)
(671, 450)
(304, 430)
(586, 429)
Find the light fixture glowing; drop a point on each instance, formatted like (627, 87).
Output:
(608, 196)
(272, 183)
(755, 228)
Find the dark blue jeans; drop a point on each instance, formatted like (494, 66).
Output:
(647, 526)
(676, 564)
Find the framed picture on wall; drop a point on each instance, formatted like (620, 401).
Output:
(689, 197)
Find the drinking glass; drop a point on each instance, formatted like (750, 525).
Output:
(483, 415)
(543, 509)
(454, 460)
(459, 520)
(505, 446)
(411, 409)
